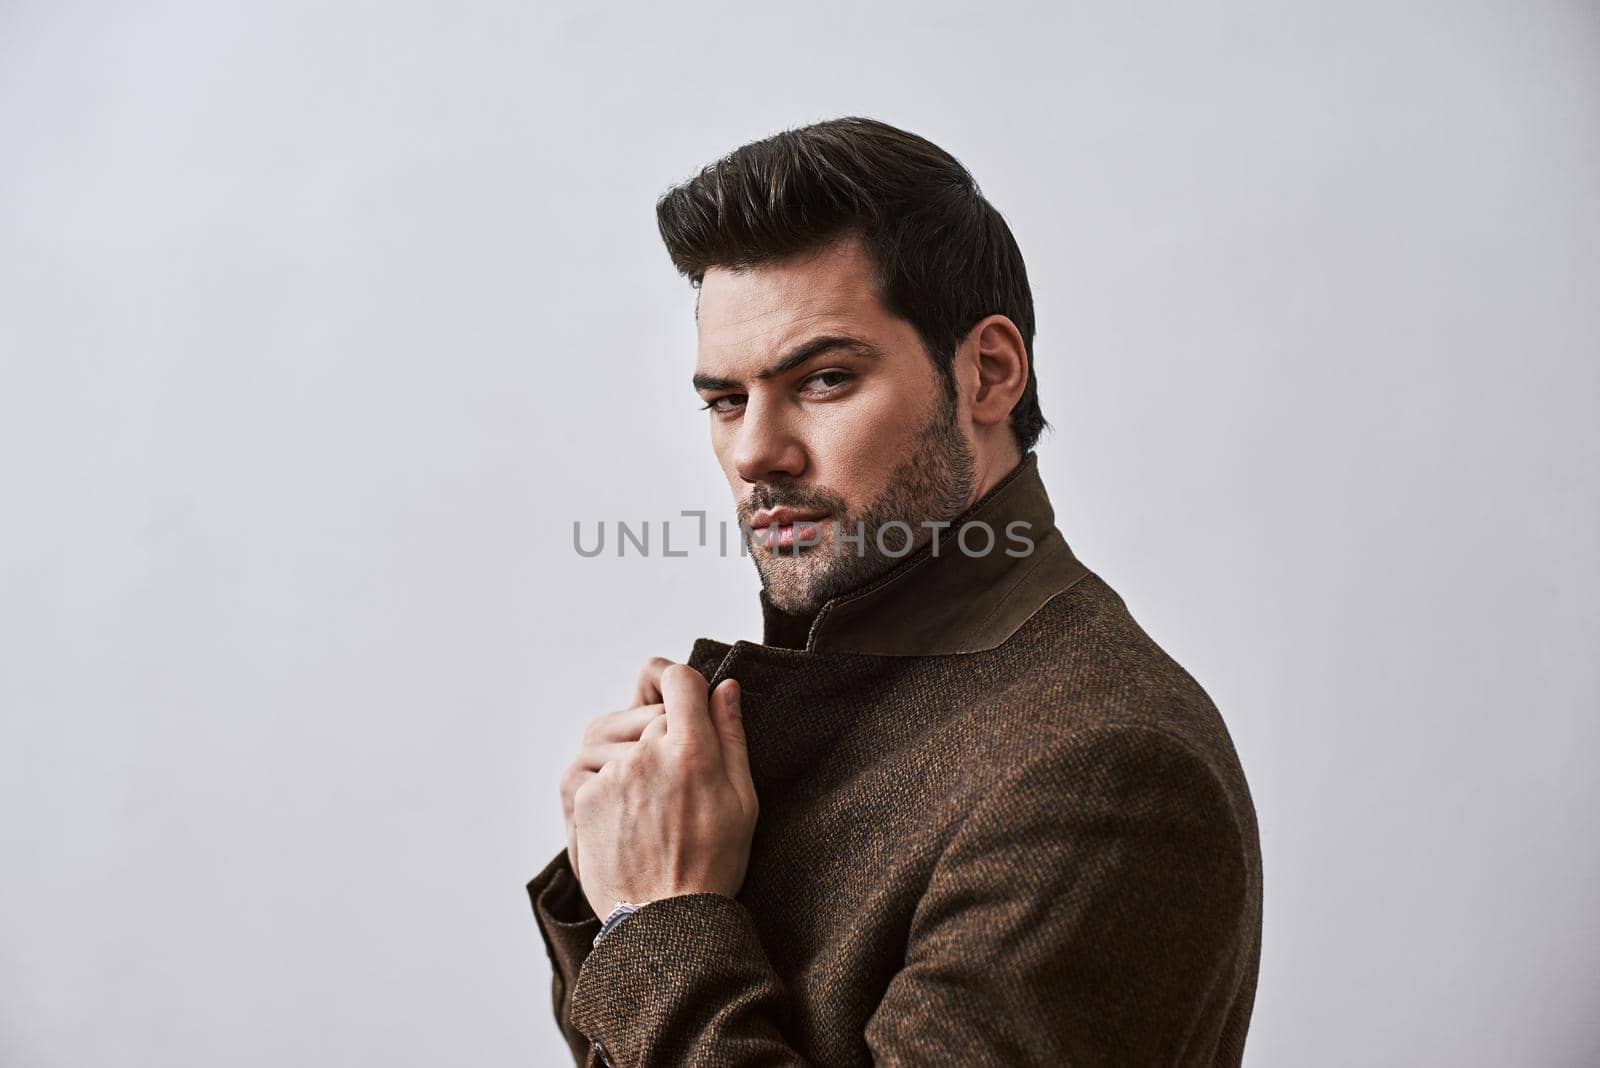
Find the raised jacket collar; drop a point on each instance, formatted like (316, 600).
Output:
(933, 603)
(805, 683)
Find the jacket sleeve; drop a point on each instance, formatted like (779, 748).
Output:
(568, 925)
(1091, 909)
(684, 980)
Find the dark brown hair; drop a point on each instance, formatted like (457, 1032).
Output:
(945, 258)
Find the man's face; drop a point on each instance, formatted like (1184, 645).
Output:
(825, 408)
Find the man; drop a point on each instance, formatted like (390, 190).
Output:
(957, 807)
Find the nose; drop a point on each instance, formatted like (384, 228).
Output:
(766, 448)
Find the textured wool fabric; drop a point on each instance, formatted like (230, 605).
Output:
(998, 826)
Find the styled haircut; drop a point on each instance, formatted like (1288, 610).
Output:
(944, 257)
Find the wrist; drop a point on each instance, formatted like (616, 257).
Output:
(622, 911)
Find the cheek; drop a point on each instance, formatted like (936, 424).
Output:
(858, 447)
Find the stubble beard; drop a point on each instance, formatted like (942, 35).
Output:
(933, 484)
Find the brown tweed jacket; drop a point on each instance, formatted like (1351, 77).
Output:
(999, 826)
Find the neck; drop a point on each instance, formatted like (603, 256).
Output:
(997, 457)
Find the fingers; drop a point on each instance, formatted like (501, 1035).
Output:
(683, 690)
(607, 738)
(572, 780)
(611, 736)
(728, 717)
(623, 725)
(595, 757)
(587, 764)
(647, 690)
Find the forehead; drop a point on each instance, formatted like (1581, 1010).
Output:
(747, 315)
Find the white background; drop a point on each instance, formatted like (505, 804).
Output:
(320, 324)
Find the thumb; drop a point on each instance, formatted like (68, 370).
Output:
(729, 716)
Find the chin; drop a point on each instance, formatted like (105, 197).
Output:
(792, 600)
(792, 592)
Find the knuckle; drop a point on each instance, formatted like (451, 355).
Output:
(690, 758)
(682, 674)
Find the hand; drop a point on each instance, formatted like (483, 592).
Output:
(674, 814)
(608, 737)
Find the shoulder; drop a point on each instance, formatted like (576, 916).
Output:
(1086, 695)
(1082, 663)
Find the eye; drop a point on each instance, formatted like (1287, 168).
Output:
(724, 404)
(829, 380)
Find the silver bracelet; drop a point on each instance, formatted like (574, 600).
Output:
(624, 908)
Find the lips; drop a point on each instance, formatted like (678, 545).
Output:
(783, 517)
(781, 528)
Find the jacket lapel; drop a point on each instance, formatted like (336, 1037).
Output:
(796, 705)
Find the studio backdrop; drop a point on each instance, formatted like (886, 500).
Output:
(322, 325)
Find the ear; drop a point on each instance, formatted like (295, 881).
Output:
(1000, 358)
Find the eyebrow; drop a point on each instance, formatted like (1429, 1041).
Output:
(795, 357)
